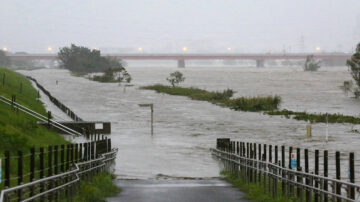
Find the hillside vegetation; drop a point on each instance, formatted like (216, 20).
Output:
(19, 131)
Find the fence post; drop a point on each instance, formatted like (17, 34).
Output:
(56, 147)
(237, 158)
(351, 175)
(290, 176)
(307, 180)
(325, 175)
(62, 157)
(316, 195)
(50, 167)
(338, 175)
(265, 167)
(49, 119)
(298, 177)
(283, 183)
(67, 157)
(276, 171)
(255, 164)
(261, 163)
(271, 178)
(32, 169)
(42, 171)
(20, 173)
(7, 169)
(76, 153)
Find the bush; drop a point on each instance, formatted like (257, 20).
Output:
(311, 64)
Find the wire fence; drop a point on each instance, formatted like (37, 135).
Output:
(266, 165)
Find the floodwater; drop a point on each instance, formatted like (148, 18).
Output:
(185, 129)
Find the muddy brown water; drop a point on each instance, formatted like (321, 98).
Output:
(185, 129)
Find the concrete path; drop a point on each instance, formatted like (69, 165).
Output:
(177, 191)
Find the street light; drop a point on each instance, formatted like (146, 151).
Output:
(140, 49)
(318, 48)
(5, 49)
(152, 115)
(229, 49)
(49, 48)
(184, 48)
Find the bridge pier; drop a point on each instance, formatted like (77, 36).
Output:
(181, 63)
(259, 63)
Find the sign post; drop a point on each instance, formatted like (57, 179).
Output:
(293, 161)
(152, 115)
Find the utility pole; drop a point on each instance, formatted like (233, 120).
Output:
(152, 115)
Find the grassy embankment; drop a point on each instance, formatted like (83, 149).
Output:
(269, 104)
(254, 192)
(19, 131)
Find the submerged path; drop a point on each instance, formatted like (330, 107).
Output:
(177, 191)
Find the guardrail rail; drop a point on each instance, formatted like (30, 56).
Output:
(256, 163)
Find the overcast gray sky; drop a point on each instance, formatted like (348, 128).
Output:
(169, 25)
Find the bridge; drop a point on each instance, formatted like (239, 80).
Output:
(181, 58)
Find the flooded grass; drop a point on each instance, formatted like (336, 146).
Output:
(315, 118)
(253, 104)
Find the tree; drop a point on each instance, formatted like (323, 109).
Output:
(175, 78)
(4, 59)
(354, 64)
(311, 64)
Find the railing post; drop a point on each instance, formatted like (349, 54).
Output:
(7, 169)
(276, 172)
(265, 167)
(283, 183)
(50, 167)
(237, 158)
(32, 169)
(316, 195)
(307, 180)
(251, 162)
(351, 175)
(247, 162)
(62, 158)
(255, 164)
(56, 147)
(270, 177)
(261, 166)
(325, 186)
(290, 176)
(76, 153)
(42, 188)
(67, 157)
(298, 177)
(338, 175)
(20, 173)
(49, 119)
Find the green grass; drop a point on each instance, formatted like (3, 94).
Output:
(97, 189)
(269, 104)
(17, 129)
(221, 98)
(315, 118)
(253, 192)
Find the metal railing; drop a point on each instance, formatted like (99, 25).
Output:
(240, 160)
(38, 116)
(53, 187)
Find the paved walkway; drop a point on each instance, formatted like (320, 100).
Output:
(177, 191)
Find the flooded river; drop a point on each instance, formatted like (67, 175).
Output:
(185, 129)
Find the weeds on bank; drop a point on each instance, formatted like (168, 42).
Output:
(253, 192)
(97, 189)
